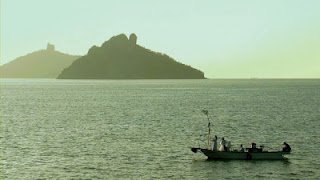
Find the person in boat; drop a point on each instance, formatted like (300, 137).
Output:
(241, 148)
(253, 145)
(286, 147)
(228, 145)
(223, 145)
(215, 143)
(253, 148)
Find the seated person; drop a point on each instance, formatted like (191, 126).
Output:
(254, 148)
(241, 148)
(286, 147)
(228, 145)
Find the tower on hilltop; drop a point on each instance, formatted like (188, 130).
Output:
(50, 47)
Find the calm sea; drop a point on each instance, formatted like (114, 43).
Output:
(143, 129)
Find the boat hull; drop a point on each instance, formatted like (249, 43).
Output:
(276, 155)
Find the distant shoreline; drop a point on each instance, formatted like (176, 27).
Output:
(174, 79)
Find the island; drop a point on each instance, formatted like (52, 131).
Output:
(122, 58)
(45, 63)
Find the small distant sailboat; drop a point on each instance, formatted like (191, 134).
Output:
(252, 153)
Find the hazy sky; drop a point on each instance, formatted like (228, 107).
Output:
(223, 38)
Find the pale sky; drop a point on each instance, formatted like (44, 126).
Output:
(225, 38)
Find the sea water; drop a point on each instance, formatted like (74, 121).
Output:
(143, 129)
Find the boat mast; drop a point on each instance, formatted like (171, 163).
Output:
(209, 127)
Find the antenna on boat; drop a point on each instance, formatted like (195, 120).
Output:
(204, 111)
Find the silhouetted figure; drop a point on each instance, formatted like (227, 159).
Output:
(254, 148)
(241, 148)
(223, 145)
(228, 145)
(215, 143)
(286, 147)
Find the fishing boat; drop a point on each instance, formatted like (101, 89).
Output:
(252, 153)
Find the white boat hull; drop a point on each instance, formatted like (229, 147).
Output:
(275, 155)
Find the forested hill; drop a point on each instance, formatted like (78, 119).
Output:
(122, 58)
(46, 63)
